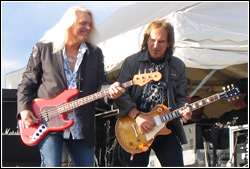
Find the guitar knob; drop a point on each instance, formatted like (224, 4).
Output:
(223, 88)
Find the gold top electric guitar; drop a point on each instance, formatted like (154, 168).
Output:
(133, 140)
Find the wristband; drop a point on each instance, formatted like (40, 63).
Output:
(137, 115)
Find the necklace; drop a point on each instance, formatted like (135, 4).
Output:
(71, 60)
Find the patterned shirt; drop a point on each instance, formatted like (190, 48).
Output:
(154, 93)
(72, 80)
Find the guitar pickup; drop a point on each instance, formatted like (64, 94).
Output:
(157, 119)
(39, 132)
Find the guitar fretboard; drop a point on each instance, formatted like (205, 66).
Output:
(193, 106)
(82, 101)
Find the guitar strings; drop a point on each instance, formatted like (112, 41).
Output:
(55, 111)
(200, 103)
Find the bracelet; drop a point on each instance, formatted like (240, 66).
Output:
(137, 115)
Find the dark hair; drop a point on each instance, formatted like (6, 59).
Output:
(242, 84)
(163, 24)
(198, 97)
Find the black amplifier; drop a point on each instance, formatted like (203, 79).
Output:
(14, 151)
(195, 134)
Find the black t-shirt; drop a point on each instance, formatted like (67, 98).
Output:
(203, 121)
(235, 117)
(154, 92)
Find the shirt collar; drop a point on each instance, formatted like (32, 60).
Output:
(83, 47)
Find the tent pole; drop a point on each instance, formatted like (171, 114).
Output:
(202, 82)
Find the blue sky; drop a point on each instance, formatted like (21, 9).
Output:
(24, 23)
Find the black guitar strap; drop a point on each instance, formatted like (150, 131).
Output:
(169, 82)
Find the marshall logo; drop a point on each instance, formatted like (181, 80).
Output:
(10, 132)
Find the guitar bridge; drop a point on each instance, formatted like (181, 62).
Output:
(136, 134)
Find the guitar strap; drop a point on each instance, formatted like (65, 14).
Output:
(169, 82)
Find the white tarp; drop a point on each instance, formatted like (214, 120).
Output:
(208, 35)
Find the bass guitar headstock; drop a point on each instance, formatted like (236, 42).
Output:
(142, 79)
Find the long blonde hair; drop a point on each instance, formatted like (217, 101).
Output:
(163, 24)
(58, 34)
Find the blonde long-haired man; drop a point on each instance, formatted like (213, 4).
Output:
(61, 60)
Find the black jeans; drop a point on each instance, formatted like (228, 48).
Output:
(168, 150)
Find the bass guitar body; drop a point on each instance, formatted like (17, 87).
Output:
(50, 119)
(130, 136)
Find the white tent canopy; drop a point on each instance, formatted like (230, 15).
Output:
(208, 35)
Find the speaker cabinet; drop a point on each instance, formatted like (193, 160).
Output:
(14, 151)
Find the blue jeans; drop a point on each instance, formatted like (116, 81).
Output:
(51, 151)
